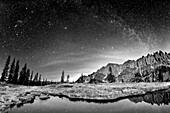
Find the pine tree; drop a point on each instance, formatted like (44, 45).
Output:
(5, 70)
(68, 78)
(26, 82)
(23, 75)
(30, 79)
(46, 82)
(40, 80)
(62, 77)
(82, 80)
(15, 77)
(43, 82)
(35, 80)
(12, 71)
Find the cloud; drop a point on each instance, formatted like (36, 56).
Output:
(64, 61)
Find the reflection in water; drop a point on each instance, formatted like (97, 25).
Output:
(94, 101)
(159, 98)
(138, 104)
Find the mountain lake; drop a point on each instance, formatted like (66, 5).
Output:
(157, 102)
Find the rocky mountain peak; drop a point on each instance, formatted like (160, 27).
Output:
(145, 64)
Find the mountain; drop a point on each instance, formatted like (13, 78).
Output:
(159, 98)
(151, 68)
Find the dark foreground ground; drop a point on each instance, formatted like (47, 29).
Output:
(13, 95)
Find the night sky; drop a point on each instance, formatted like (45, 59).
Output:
(80, 36)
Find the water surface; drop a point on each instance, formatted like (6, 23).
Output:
(150, 103)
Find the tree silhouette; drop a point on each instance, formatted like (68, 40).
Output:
(46, 82)
(39, 80)
(15, 77)
(35, 80)
(23, 75)
(82, 78)
(26, 81)
(43, 82)
(31, 78)
(5, 70)
(68, 77)
(62, 77)
(12, 71)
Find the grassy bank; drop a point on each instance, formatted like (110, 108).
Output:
(12, 95)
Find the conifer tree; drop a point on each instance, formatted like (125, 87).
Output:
(40, 80)
(12, 71)
(81, 78)
(36, 77)
(43, 83)
(27, 77)
(15, 77)
(23, 74)
(46, 82)
(68, 77)
(5, 70)
(62, 77)
(35, 80)
(30, 79)
(21, 77)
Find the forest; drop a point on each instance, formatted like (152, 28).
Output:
(12, 74)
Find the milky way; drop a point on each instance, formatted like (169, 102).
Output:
(80, 36)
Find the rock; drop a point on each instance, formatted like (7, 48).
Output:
(27, 99)
(19, 104)
(44, 97)
(35, 93)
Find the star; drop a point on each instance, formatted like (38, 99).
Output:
(65, 28)
(20, 21)
(49, 23)
(17, 34)
(16, 26)
(32, 11)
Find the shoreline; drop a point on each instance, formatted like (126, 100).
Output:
(12, 95)
(107, 100)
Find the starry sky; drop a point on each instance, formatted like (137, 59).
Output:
(81, 36)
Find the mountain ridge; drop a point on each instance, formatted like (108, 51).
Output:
(154, 66)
